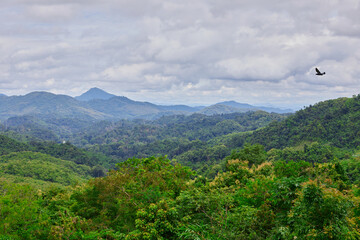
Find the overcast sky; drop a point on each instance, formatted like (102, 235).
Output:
(262, 52)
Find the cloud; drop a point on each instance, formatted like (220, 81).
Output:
(128, 71)
(58, 12)
(201, 51)
(250, 68)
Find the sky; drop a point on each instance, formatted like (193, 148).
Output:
(194, 52)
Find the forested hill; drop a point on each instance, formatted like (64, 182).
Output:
(192, 140)
(195, 126)
(63, 151)
(336, 122)
(43, 164)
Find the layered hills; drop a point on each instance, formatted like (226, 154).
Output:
(97, 104)
(298, 178)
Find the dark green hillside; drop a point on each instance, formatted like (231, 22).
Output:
(336, 122)
(8, 145)
(28, 166)
(65, 151)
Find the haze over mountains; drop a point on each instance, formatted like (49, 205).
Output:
(97, 104)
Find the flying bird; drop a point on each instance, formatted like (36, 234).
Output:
(318, 72)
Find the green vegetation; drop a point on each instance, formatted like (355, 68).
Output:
(38, 166)
(152, 198)
(335, 122)
(232, 176)
(192, 140)
(65, 151)
(9, 145)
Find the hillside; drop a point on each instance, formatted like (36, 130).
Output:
(248, 107)
(64, 151)
(8, 145)
(43, 128)
(221, 109)
(39, 168)
(124, 108)
(336, 122)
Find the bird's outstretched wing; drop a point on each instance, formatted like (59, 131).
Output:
(317, 71)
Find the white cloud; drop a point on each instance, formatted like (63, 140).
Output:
(183, 52)
(58, 12)
(127, 72)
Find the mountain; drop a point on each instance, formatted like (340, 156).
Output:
(48, 105)
(248, 107)
(125, 108)
(181, 108)
(233, 107)
(222, 109)
(237, 105)
(44, 103)
(97, 104)
(94, 93)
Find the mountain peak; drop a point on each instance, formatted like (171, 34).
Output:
(95, 93)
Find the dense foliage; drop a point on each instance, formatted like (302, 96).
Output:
(152, 198)
(192, 140)
(193, 127)
(336, 122)
(65, 151)
(30, 166)
(43, 128)
(296, 178)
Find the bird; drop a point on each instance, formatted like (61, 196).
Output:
(318, 72)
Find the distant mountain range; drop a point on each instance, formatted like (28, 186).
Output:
(244, 107)
(96, 104)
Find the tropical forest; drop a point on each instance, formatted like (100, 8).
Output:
(119, 169)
